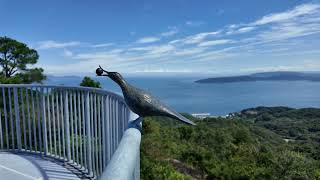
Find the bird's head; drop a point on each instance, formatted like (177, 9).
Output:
(115, 76)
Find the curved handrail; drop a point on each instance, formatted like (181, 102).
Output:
(80, 125)
(92, 89)
(126, 160)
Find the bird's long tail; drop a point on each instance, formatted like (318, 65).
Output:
(182, 119)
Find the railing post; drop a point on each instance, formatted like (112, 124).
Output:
(88, 131)
(17, 117)
(66, 121)
(44, 123)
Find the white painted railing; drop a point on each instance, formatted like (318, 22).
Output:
(82, 126)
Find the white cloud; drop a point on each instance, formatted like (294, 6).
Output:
(173, 31)
(102, 45)
(67, 53)
(300, 10)
(197, 38)
(53, 44)
(216, 42)
(194, 23)
(245, 29)
(287, 31)
(156, 50)
(240, 30)
(148, 40)
(189, 51)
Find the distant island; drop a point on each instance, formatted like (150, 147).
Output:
(265, 76)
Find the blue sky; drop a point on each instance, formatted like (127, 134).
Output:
(168, 36)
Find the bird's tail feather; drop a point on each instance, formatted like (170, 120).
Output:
(183, 119)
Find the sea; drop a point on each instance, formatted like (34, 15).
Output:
(184, 95)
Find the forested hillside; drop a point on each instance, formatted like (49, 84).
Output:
(257, 143)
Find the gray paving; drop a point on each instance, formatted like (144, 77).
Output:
(27, 166)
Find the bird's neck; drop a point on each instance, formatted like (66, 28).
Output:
(122, 83)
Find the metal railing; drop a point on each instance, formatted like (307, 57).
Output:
(82, 126)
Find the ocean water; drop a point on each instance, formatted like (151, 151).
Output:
(184, 95)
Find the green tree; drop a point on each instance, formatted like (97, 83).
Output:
(88, 82)
(15, 58)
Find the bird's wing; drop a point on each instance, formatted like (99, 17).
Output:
(157, 107)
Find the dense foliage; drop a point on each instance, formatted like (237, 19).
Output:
(258, 143)
(88, 82)
(15, 61)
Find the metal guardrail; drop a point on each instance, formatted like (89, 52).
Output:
(82, 126)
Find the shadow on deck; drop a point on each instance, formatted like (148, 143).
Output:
(29, 166)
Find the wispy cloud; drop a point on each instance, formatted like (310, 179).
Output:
(148, 40)
(216, 42)
(298, 11)
(197, 38)
(171, 32)
(54, 44)
(102, 45)
(195, 23)
(67, 53)
(241, 30)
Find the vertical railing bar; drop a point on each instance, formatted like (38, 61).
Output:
(112, 125)
(49, 121)
(80, 128)
(23, 120)
(11, 119)
(96, 115)
(58, 122)
(118, 123)
(84, 120)
(108, 129)
(34, 123)
(92, 131)
(63, 121)
(75, 127)
(99, 134)
(39, 120)
(72, 121)
(71, 126)
(66, 121)
(103, 137)
(122, 119)
(29, 121)
(88, 131)
(5, 117)
(17, 117)
(115, 127)
(44, 122)
(1, 138)
(53, 121)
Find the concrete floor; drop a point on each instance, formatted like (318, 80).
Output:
(28, 166)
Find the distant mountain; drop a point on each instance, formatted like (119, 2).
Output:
(265, 76)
